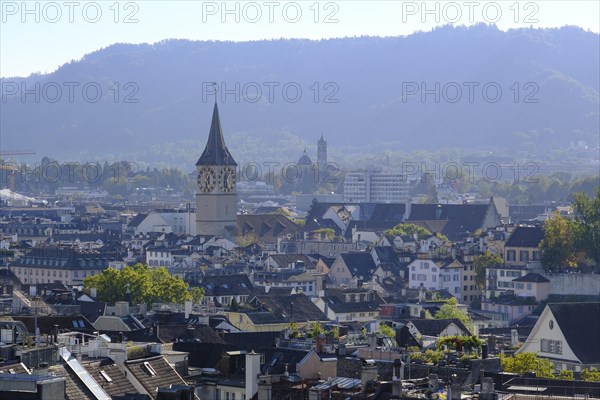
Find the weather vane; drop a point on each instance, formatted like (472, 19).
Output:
(216, 85)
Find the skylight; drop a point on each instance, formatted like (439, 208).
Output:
(105, 376)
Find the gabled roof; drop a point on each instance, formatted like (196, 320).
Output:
(460, 217)
(161, 373)
(267, 227)
(338, 306)
(386, 255)
(227, 285)
(532, 277)
(525, 236)
(216, 152)
(360, 264)
(580, 324)
(302, 310)
(74, 389)
(102, 368)
(139, 217)
(433, 327)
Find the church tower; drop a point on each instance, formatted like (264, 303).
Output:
(322, 153)
(216, 196)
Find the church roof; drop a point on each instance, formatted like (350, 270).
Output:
(216, 152)
(305, 159)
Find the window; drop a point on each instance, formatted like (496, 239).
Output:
(414, 277)
(466, 277)
(457, 289)
(456, 278)
(529, 286)
(105, 376)
(524, 255)
(433, 269)
(501, 272)
(551, 346)
(511, 255)
(149, 368)
(465, 288)
(536, 255)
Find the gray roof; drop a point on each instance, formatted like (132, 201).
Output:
(580, 324)
(216, 152)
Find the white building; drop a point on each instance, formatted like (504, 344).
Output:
(436, 275)
(376, 187)
(175, 221)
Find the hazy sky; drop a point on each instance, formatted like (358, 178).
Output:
(39, 36)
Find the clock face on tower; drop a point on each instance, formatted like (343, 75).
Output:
(227, 179)
(207, 179)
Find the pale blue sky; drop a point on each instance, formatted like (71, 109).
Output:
(28, 46)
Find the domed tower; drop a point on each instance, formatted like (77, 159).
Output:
(216, 196)
(307, 168)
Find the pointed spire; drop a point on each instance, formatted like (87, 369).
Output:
(216, 152)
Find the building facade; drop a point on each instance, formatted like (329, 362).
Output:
(376, 187)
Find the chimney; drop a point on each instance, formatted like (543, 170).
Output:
(320, 342)
(487, 389)
(368, 373)
(187, 309)
(372, 338)
(144, 309)
(438, 211)
(407, 210)
(121, 308)
(252, 372)
(93, 292)
(55, 333)
(514, 337)
(397, 377)
(265, 391)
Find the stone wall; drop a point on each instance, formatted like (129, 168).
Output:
(574, 284)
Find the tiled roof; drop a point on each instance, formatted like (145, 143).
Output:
(433, 327)
(75, 389)
(303, 309)
(267, 228)
(103, 368)
(360, 264)
(154, 372)
(525, 236)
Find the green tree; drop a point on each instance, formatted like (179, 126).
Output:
(408, 229)
(558, 246)
(482, 263)
(566, 374)
(145, 285)
(587, 219)
(387, 330)
(450, 310)
(523, 363)
(590, 375)
(197, 294)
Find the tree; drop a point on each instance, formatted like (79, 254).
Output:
(558, 245)
(523, 363)
(566, 374)
(450, 310)
(145, 285)
(482, 263)
(587, 220)
(197, 294)
(387, 330)
(408, 229)
(590, 376)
